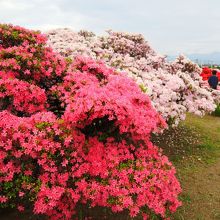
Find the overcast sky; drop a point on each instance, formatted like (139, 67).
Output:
(171, 26)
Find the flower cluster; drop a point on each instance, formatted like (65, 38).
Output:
(59, 172)
(77, 132)
(21, 98)
(174, 88)
(207, 72)
(25, 56)
(11, 35)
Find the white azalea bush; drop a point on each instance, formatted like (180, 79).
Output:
(174, 88)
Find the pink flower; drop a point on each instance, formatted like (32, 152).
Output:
(20, 208)
(79, 131)
(3, 199)
(21, 194)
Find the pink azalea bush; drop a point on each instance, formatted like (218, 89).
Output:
(76, 132)
(174, 88)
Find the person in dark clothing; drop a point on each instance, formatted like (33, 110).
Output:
(213, 80)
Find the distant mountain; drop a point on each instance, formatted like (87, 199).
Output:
(208, 58)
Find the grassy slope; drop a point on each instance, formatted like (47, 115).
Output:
(199, 172)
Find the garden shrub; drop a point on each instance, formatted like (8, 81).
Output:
(76, 132)
(173, 87)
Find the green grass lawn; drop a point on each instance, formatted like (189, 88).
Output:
(198, 169)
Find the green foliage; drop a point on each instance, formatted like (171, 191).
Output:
(12, 189)
(42, 125)
(143, 88)
(217, 111)
(68, 60)
(125, 165)
(113, 200)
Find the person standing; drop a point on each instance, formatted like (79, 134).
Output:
(213, 80)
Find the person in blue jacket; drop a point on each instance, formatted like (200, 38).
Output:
(213, 80)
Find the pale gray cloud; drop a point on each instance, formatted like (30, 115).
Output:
(171, 26)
